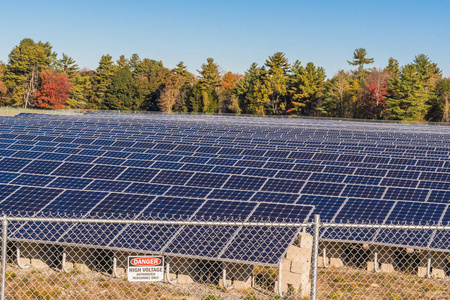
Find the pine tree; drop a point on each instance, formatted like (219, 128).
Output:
(306, 89)
(407, 98)
(360, 59)
(210, 82)
(393, 67)
(102, 80)
(121, 91)
(275, 78)
(67, 65)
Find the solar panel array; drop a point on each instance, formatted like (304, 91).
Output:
(235, 167)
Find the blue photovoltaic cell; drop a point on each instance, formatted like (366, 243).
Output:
(406, 194)
(172, 177)
(81, 158)
(109, 161)
(403, 174)
(188, 191)
(108, 185)
(411, 213)
(274, 197)
(6, 177)
(293, 175)
(399, 182)
(104, 172)
(439, 197)
(323, 188)
(124, 204)
(137, 174)
(69, 183)
(207, 180)
(147, 188)
(308, 167)
(7, 152)
(325, 206)
(281, 212)
(260, 172)
(13, 164)
(170, 207)
(32, 180)
(75, 202)
(53, 156)
(363, 210)
(363, 191)
(29, 199)
(236, 182)
(335, 178)
(41, 167)
(370, 172)
(362, 180)
(228, 170)
(6, 190)
(219, 210)
(230, 195)
(444, 177)
(72, 169)
(167, 165)
(282, 185)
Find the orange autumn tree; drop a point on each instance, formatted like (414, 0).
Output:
(228, 102)
(53, 90)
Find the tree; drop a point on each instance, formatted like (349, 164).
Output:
(53, 90)
(228, 100)
(440, 102)
(102, 80)
(407, 98)
(209, 82)
(337, 95)
(393, 67)
(3, 88)
(120, 93)
(360, 59)
(67, 65)
(275, 78)
(374, 95)
(26, 61)
(306, 89)
(428, 72)
(81, 91)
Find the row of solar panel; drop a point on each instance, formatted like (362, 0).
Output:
(51, 200)
(88, 138)
(17, 149)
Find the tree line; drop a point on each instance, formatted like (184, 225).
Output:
(35, 76)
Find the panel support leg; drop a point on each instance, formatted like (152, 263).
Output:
(171, 281)
(19, 264)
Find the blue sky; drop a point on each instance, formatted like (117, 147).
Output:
(234, 33)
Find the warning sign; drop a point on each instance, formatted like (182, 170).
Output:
(145, 268)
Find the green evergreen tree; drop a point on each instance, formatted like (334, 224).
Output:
(67, 65)
(120, 93)
(209, 82)
(307, 89)
(276, 79)
(393, 67)
(360, 59)
(407, 98)
(102, 80)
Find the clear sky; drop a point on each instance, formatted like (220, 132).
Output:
(234, 33)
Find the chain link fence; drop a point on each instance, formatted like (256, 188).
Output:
(69, 257)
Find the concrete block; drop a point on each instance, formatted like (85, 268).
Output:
(305, 240)
(241, 285)
(437, 273)
(69, 265)
(365, 246)
(370, 266)
(422, 272)
(81, 268)
(185, 279)
(300, 267)
(387, 268)
(120, 271)
(38, 264)
(336, 262)
(409, 250)
(320, 261)
(297, 253)
(24, 261)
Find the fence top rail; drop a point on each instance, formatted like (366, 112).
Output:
(226, 223)
(159, 222)
(385, 226)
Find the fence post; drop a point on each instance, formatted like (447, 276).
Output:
(315, 257)
(4, 243)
